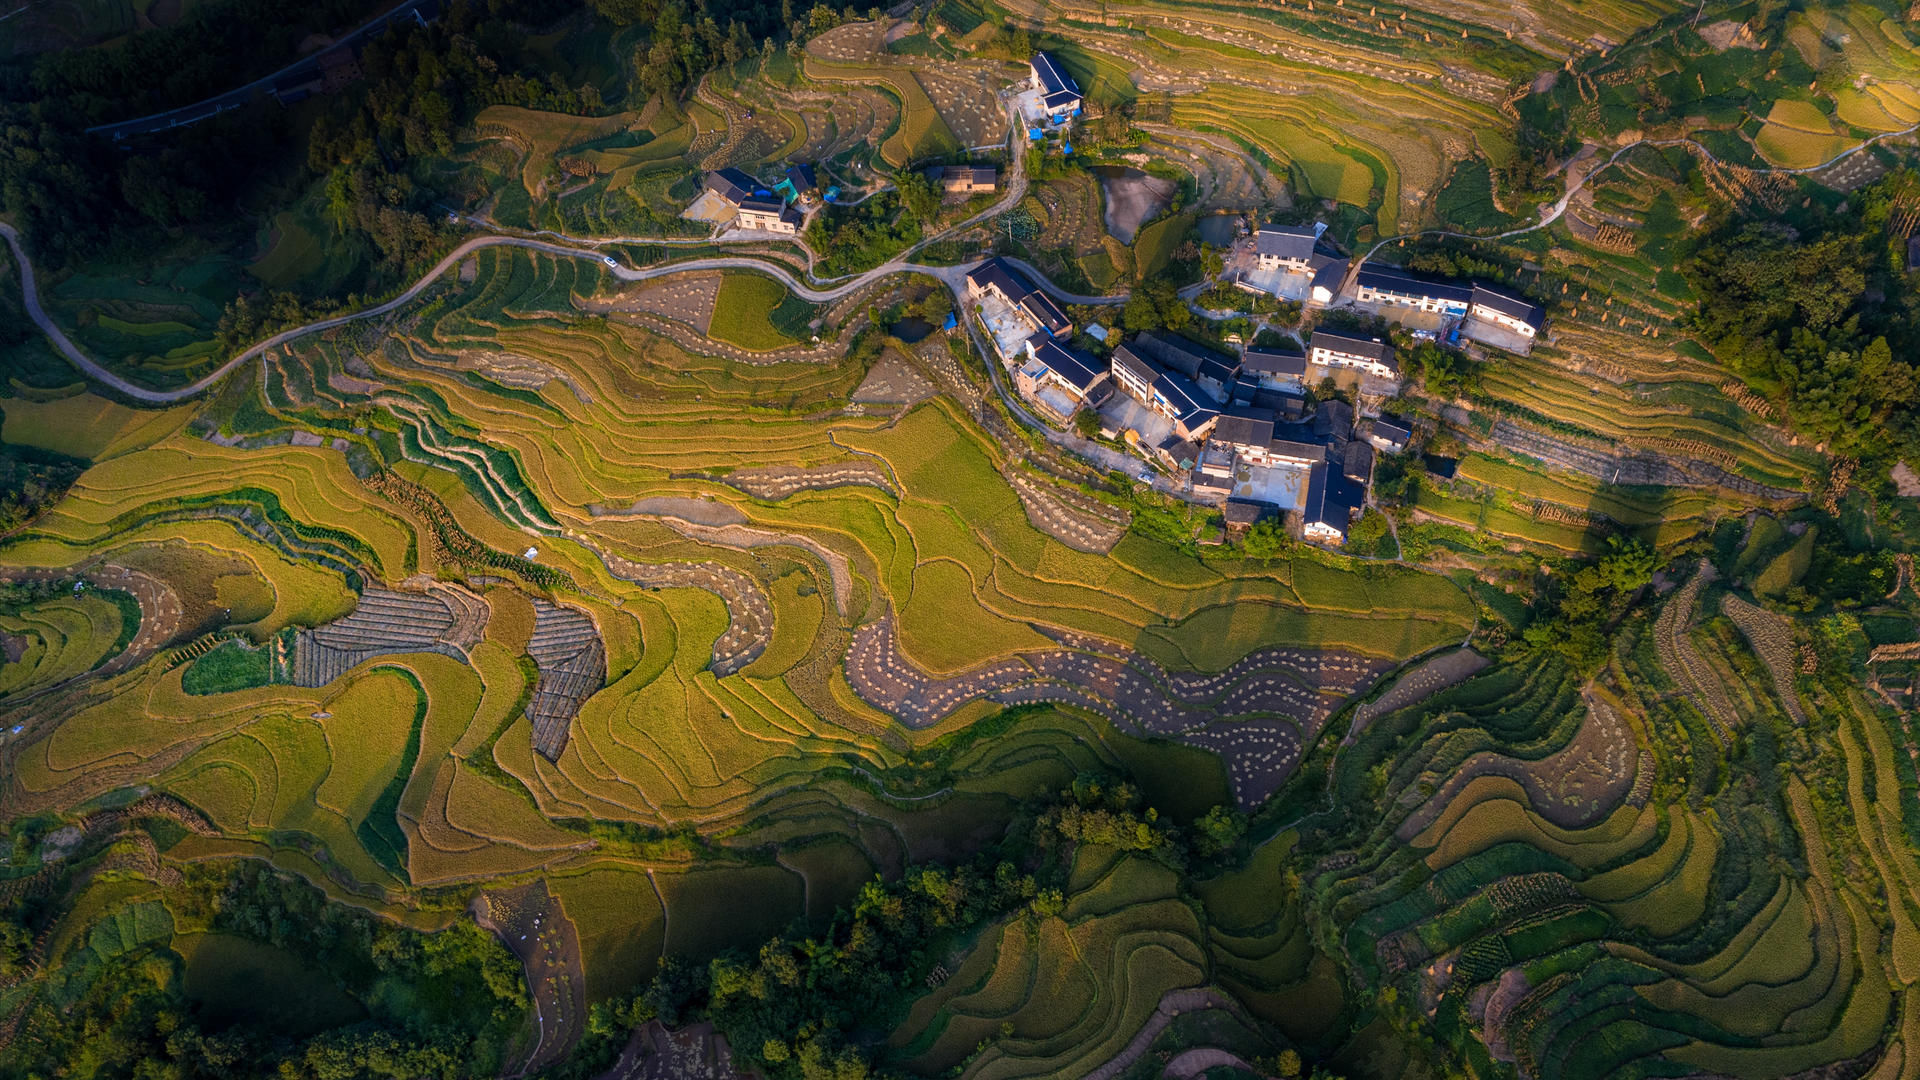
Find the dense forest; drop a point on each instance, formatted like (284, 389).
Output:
(1813, 309)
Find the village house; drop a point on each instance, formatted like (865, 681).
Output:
(1390, 285)
(1059, 94)
(755, 207)
(1326, 349)
(1012, 309)
(1388, 433)
(1328, 508)
(1522, 317)
(1286, 247)
(1273, 369)
(797, 184)
(1211, 371)
(1058, 379)
(1328, 273)
(1173, 395)
(965, 180)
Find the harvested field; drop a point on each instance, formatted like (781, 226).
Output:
(1771, 637)
(1258, 714)
(573, 666)
(685, 298)
(534, 926)
(439, 618)
(1418, 684)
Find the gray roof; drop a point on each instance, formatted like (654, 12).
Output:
(1299, 451)
(1142, 370)
(1244, 427)
(1176, 353)
(1334, 420)
(1258, 361)
(1512, 307)
(1238, 512)
(1075, 367)
(1331, 499)
(1358, 462)
(801, 177)
(1371, 348)
(1392, 279)
(1191, 405)
(1391, 428)
(1286, 241)
(732, 185)
(1058, 86)
(1013, 284)
(1327, 270)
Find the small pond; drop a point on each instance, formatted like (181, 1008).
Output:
(1133, 198)
(912, 329)
(1218, 229)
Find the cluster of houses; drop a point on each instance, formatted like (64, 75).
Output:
(1289, 261)
(1240, 426)
(776, 209)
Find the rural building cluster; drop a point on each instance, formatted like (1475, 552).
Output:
(735, 198)
(1243, 429)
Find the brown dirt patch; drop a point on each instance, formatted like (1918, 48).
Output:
(684, 298)
(893, 381)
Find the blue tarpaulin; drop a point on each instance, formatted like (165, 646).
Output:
(951, 323)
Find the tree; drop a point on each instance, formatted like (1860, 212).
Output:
(917, 194)
(1087, 423)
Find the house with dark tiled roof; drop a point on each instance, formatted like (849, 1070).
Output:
(1058, 379)
(1002, 282)
(1523, 317)
(1273, 368)
(964, 180)
(755, 206)
(1173, 395)
(1286, 247)
(1213, 371)
(1377, 283)
(1059, 94)
(1329, 505)
(1329, 349)
(1387, 432)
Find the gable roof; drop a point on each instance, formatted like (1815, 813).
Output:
(732, 185)
(1297, 450)
(1130, 362)
(1189, 358)
(801, 177)
(1391, 428)
(1334, 420)
(1512, 307)
(1330, 499)
(999, 274)
(1259, 361)
(1191, 405)
(1358, 462)
(1055, 84)
(1045, 312)
(1076, 368)
(1245, 427)
(1327, 270)
(1370, 348)
(1393, 279)
(1286, 241)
